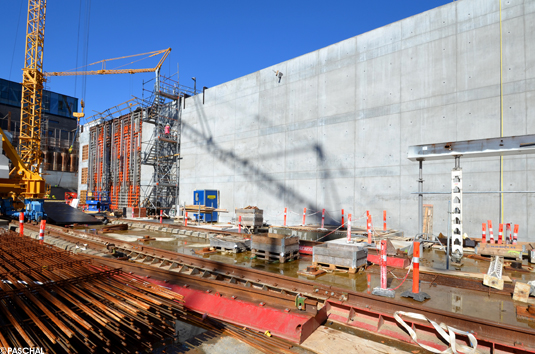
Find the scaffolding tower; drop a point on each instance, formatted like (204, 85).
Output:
(161, 152)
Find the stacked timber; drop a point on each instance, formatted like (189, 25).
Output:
(275, 247)
(250, 216)
(347, 257)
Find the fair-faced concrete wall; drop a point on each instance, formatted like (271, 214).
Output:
(334, 132)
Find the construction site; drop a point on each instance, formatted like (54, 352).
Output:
(372, 196)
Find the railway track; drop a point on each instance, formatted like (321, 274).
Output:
(343, 305)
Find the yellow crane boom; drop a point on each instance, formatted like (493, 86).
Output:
(104, 71)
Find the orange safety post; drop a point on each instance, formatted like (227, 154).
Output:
(186, 219)
(515, 234)
(161, 216)
(42, 232)
(491, 233)
(323, 218)
(483, 233)
(383, 265)
(500, 234)
(384, 220)
(416, 268)
(369, 222)
(383, 290)
(285, 211)
(304, 215)
(348, 228)
(415, 293)
(239, 224)
(21, 224)
(342, 217)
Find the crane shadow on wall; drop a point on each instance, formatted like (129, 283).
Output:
(276, 187)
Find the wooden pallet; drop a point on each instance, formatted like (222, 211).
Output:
(265, 255)
(338, 268)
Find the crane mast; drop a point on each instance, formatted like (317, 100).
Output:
(32, 88)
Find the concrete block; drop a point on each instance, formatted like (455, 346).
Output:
(350, 256)
(176, 231)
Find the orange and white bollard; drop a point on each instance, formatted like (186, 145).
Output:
(343, 218)
(383, 290)
(186, 219)
(515, 234)
(348, 228)
(21, 224)
(483, 233)
(383, 264)
(416, 268)
(500, 234)
(384, 220)
(323, 218)
(239, 224)
(491, 233)
(369, 223)
(161, 216)
(285, 213)
(416, 294)
(508, 234)
(304, 215)
(42, 232)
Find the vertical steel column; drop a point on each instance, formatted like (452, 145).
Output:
(420, 199)
(457, 208)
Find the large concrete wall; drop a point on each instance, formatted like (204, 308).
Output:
(334, 132)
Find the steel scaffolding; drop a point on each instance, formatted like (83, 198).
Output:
(162, 151)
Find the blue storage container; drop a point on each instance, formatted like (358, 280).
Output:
(209, 198)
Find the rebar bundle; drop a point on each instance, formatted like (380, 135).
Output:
(63, 303)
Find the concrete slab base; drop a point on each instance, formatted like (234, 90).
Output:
(421, 296)
(384, 292)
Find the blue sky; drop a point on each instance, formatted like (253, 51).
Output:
(215, 41)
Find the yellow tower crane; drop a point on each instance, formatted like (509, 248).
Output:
(32, 90)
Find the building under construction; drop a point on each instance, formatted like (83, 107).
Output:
(355, 185)
(132, 150)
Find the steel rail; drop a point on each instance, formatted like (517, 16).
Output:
(508, 335)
